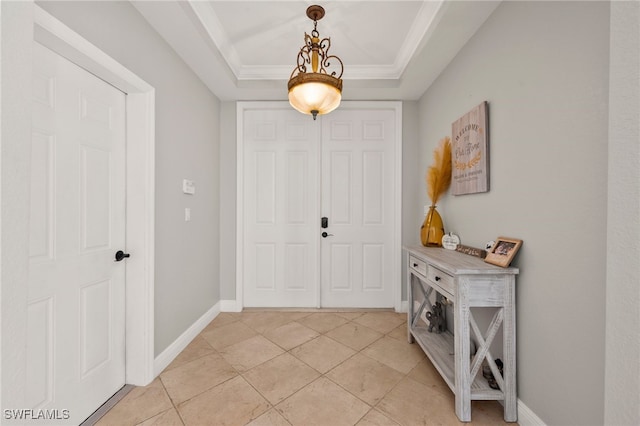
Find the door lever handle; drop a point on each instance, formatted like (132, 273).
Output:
(325, 235)
(121, 255)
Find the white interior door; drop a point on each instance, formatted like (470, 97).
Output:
(76, 317)
(280, 260)
(358, 184)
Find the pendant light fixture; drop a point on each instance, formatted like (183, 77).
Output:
(312, 89)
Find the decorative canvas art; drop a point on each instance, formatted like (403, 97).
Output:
(470, 152)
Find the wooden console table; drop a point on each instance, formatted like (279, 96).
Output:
(468, 282)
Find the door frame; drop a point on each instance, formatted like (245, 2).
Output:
(396, 266)
(140, 185)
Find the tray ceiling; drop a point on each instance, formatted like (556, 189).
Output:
(246, 50)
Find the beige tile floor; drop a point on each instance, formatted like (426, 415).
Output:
(299, 368)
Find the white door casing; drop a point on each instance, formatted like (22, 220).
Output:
(358, 150)
(76, 294)
(379, 161)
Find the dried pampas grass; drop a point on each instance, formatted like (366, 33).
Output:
(439, 174)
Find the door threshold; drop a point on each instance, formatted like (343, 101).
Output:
(104, 408)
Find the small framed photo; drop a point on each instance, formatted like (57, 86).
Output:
(503, 251)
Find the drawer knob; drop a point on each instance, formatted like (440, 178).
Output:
(415, 265)
(437, 278)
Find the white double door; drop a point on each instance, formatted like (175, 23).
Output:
(297, 171)
(76, 294)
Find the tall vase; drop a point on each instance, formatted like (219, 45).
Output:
(432, 229)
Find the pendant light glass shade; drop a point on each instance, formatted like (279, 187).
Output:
(315, 92)
(321, 97)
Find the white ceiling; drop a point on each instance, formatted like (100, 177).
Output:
(246, 50)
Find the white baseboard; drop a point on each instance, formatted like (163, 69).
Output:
(234, 306)
(173, 350)
(526, 417)
(230, 306)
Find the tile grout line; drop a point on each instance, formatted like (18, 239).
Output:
(374, 406)
(263, 326)
(348, 321)
(173, 404)
(288, 351)
(324, 375)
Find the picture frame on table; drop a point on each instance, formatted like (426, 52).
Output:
(503, 251)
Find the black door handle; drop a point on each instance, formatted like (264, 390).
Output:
(325, 235)
(121, 255)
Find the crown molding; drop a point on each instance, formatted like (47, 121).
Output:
(421, 27)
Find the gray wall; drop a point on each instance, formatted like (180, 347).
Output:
(622, 367)
(187, 146)
(411, 182)
(228, 177)
(543, 68)
(16, 38)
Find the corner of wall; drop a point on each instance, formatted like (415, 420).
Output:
(173, 350)
(230, 306)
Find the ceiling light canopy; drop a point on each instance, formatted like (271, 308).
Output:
(315, 91)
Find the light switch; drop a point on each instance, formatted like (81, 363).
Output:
(187, 214)
(188, 186)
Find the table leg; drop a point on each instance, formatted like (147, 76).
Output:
(410, 309)
(462, 367)
(509, 350)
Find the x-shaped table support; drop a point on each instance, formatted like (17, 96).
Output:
(483, 346)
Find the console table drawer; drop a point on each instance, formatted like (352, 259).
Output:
(440, 279)
(418, 265)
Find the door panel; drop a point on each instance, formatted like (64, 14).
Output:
(358, 159)
(281, 209)
(40, 352)
(340, 196)
(75, 348)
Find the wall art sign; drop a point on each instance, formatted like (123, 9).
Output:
(471, 251)
(470, 152)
